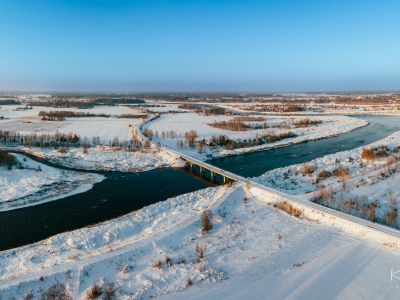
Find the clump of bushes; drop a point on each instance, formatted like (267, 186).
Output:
(306, 122)
(94, 292)
(323, 174)
(341, 172)
(249, 119)
(308, 169)
(233, 125)
(206, 224)
(374, 153)
(289, 208)
(57, 291)
(6, 159)
(200, 251)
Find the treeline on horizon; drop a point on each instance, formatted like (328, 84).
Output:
(63, 103)
(9, 102)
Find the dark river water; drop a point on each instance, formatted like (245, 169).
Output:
(121, 193)
(254, 164)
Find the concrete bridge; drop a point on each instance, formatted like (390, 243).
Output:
(214, 171)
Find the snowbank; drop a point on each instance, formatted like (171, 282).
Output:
(30, 183)
(160, 250)
(108, 159)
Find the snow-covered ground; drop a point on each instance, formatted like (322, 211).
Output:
(109, 159)
(30, 183)
(314, 108)
(184, 122)
(347, 181)
(253, 249)
(106, 129)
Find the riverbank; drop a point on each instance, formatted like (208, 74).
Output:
(361, 182)
(108, 158)
(27, 183)
(162, 250)
(170, 130)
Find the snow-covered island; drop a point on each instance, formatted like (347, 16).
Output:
(205, 136)
(25, 182)
(109, 159)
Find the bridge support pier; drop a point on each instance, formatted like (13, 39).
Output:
(203, 167)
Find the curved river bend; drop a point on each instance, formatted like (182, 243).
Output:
(121, 193)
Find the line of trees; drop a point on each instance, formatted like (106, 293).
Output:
(60, 115)
(12, 138)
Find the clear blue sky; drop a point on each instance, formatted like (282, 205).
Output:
(247, 45)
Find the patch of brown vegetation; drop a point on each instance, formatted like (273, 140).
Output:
(306, 122)
(289, 208)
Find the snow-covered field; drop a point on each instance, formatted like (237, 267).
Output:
(106, 129)
(109, 159)
(30, 183)
(347, 181)
(314, 108)
(182, 123)
(253, 249)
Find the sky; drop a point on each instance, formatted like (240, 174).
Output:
(200, 46)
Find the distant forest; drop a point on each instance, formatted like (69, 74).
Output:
(62, 103)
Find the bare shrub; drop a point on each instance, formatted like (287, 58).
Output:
(364, 210)
(289, 208)
(323, 174)
(341, 172)
(200, 251)
(6, 159)
(190, 137)
(168, 261)
(94, 292)
(56, 292)
(110, 291)
(330, 196)
(189, 282)
(232, 125)
(372, 208)
(249, 118)
(63, 150)
(157, 264)
(374, 153)
(308, 169)
(306, 122)
(391, 216)
(206, 224)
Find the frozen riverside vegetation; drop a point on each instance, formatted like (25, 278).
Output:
(171, 130)
(28, 182)
(361, 182)
(247, 244)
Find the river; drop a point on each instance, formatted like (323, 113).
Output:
(121, 193)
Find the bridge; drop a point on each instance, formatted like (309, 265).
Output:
(204, 168)
(300, 200)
